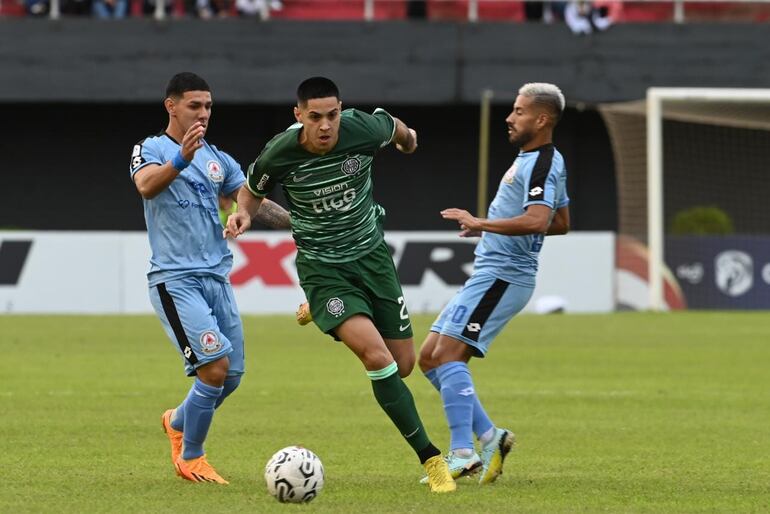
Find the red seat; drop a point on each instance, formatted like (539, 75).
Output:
(339, 10)
(646, 12)
(726, 11)
(11, 8)
(489, 10)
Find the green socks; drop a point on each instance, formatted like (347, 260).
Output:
(397, 402)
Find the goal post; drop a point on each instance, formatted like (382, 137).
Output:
(694, 104)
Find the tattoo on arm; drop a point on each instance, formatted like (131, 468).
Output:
(273, 215)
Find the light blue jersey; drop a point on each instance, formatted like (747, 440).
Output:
(190, 263)
(505, 267)
(537, 177)
(183, 220)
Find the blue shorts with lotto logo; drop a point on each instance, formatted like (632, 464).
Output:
(480, 310)
(201, 318)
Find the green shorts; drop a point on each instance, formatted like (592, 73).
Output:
(369, 286)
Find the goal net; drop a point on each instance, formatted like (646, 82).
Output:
(693, 186)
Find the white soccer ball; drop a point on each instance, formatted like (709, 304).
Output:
(294, 474)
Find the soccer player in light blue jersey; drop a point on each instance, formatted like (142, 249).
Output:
(180, 177)
(531, 202)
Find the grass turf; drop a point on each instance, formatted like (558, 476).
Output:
(617, 413)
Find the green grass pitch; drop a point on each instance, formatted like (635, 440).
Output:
(628, 412)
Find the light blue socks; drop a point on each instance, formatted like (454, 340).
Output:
(481, 423)
(230, 385)
(198, 412)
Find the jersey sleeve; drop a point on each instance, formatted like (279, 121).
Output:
(563, 197)
(234, 178)
(272, 164)
(259, 179)
(376, 130)
(144, 152)
(542, 187)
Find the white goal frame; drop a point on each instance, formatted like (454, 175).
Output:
(656, 96)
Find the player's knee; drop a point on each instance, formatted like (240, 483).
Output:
(425, 360)
(376, 358)
(405, 364)
(214, 373)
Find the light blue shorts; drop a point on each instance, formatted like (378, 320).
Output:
(480, 310)
(201, 319)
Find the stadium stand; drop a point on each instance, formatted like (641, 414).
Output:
(433, 10)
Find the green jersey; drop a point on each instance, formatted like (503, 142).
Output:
(334, 217)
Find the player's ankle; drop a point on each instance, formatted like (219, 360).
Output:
(487, 436)
(463, 452)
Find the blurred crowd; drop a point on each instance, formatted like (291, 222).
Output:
(582, 16)
(106, 9)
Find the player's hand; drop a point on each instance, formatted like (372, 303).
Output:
(467, 221)
(237, 223)
(410, 148)
(469, 233)
(192, 141)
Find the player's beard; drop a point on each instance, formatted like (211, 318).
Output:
(520, 139)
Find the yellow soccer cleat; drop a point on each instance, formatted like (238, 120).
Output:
(174, 436)
(439, 479)
(198, 470)
(493, 455)
(460, 466)
(303, 314)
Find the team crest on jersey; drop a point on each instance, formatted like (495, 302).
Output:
(336, 307)
(351, 166)
(215, 171)
(511, 173)
(210, 342)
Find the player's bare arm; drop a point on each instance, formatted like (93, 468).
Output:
(405, 137)
(560, 223)
(534, 221)
(240, 221)
(273, 215)
(154, 178)
(269, 214)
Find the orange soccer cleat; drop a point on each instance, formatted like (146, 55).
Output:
(174, 436)
(198, 470)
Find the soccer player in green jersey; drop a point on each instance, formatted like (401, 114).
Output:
(324, 163)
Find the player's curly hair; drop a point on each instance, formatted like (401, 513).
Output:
(183, 82)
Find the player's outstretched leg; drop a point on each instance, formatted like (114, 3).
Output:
(493, 454)
(198, 412)
(173, 419)
(360, 335)
(398, 403)
(457, 394)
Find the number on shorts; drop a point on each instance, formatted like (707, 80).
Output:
(402, 303)
(459, 313)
